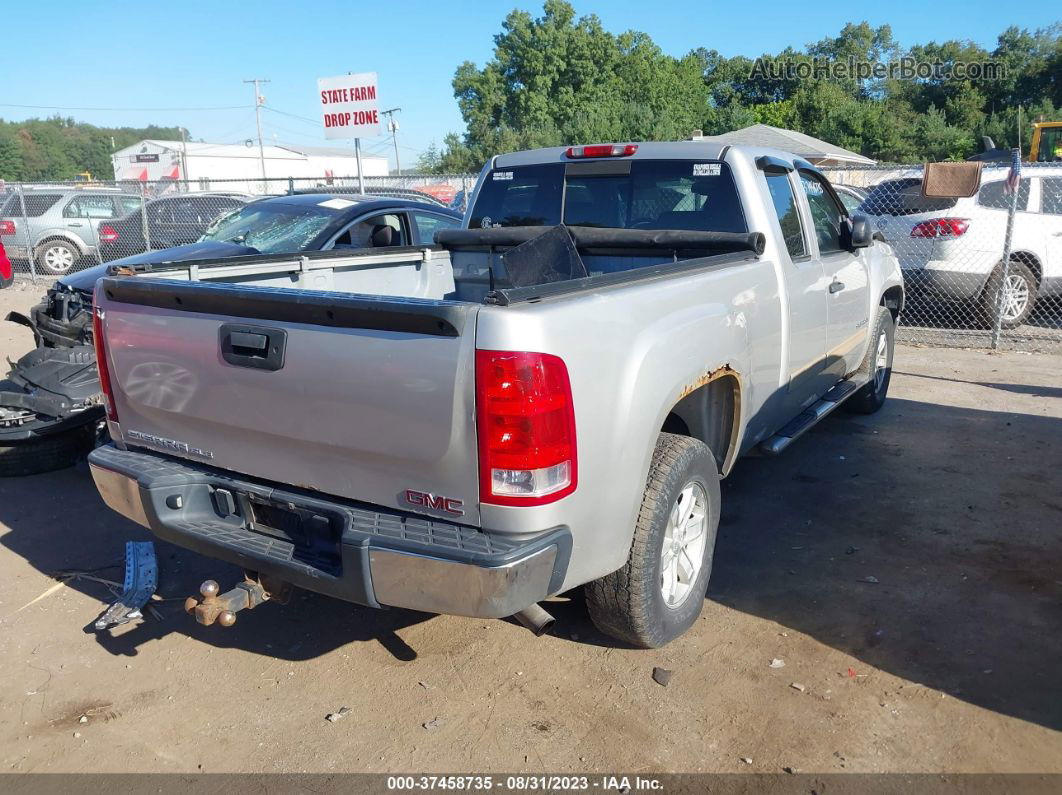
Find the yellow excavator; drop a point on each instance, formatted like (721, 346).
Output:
(1046, 144)
(1044, 147)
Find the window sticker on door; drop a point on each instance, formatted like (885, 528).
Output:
(337, 204)
(707, 169)
(503, 175)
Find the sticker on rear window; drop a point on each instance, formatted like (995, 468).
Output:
(499, 175)
(706, 169)
(337, 204)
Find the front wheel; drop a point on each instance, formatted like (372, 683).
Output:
(659, 592)
(876, 367)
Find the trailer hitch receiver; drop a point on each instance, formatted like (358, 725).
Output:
(221, 608)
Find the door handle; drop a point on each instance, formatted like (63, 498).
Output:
(836, 286)
(75, 223)
(257, 347)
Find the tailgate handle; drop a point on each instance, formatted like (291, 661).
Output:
(257, 347)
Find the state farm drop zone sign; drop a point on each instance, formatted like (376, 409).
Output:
(348, 106)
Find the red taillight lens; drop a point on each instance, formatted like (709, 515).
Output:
(526, 426)
(941, 227)
(101, 360)
(7, 227)
(108, 234)
(602, 150)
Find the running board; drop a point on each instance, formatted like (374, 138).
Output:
(810, 416)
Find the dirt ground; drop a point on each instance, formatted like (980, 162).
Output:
(906, 567)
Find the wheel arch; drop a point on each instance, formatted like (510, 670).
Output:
(49, 237)
(710, 411)
(892, 299)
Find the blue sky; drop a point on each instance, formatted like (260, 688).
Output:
(193, 54)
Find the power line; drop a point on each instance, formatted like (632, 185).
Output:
(72, 107)
(314, 122)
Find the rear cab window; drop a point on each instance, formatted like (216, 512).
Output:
(627, 194)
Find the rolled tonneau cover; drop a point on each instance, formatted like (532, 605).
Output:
(597, 237)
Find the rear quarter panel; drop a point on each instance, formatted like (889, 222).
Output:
(632, 353)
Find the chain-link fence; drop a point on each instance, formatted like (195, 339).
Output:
(962, 287)
(49, 229)
(983, 271)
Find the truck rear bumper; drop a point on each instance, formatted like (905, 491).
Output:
(348, 550)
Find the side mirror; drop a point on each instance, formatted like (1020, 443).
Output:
(860, 235)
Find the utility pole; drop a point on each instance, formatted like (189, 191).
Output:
(258, 121)
(184, 158)
(392, 127)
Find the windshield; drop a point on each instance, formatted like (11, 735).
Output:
(1050, 145)
(271, 228)
(623, 194)
(902, 197)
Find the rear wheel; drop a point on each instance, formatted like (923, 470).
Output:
(876, 366)
(57, 256)
(659, 592)
(1018, 296)
(47, 453)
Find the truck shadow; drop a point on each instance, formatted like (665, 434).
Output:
(59, 523)
(923, 541)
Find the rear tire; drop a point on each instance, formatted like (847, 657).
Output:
(646, 603)
(1019, 300)
(876, 366)
(56, 257)
(48, 453)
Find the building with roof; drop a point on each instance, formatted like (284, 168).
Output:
(818, 152)
(238, 167)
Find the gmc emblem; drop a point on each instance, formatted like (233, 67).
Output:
(435, 502)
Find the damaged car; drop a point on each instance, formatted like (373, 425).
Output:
(51, 409)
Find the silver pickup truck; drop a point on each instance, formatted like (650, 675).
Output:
(546, 398)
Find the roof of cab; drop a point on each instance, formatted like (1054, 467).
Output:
(656, 150)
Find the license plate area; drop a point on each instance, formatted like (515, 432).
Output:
(315, 534)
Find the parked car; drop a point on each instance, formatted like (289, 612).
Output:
(171, 221)
(550, 400)
(375, 192)
(953, 248)
(851, 196)
(52, 403)
(57, 226)
(7, 273)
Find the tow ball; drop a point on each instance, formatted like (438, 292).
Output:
(221, 608)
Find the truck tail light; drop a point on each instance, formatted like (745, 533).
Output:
(602, 150)
(941, 227)
(108, 234)
(101, 358)
(525, 421)
(7, 227)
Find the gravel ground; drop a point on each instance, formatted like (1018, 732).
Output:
(905, 567)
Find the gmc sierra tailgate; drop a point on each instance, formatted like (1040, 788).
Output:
(363, 397)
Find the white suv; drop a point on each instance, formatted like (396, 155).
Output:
(953, 248)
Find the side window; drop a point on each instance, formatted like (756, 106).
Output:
(785, 208)
(428, 224)
(127, 204)
(1051, 196)
(89, 207)
(826, 214)
(375, 231)
(994, 195)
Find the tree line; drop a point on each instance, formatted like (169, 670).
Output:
(557, 80)
(58, 148)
